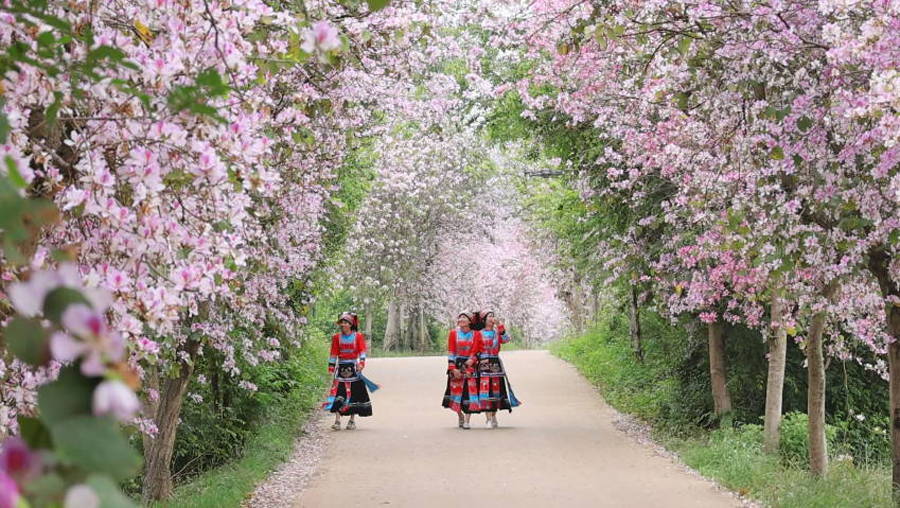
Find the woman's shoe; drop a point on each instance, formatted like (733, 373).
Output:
(336, 426)
(351, 425)
(462, 420)
(465, 425)
(494, 424)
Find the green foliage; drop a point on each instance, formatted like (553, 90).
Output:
(20, 218)
(28, 340)
(794, 444)
(268, 440)
(354, 179)
(734, 458)
(57, 300)
(79, 441)
(195, 98)
(646, 390)
(376, 5)
(68, 396)
(217, 429)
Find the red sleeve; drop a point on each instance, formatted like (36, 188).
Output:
(361, 347)
(451, 350)
(335, 349)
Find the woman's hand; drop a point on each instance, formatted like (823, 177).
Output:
(456, 373)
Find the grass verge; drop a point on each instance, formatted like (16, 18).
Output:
(271, 445)
(731, 456)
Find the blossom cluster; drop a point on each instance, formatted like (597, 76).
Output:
(754, 145)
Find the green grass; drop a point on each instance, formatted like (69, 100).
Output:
(734, 458)
(731, 456)
(230, 484)
(630, 387)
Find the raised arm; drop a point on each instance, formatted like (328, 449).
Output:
(504, 336)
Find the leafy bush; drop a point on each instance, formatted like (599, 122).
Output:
(734, 458)
(794, 444)
(219, 416)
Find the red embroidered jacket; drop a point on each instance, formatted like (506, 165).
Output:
(491, 341)
(347, 348)
(458, 344)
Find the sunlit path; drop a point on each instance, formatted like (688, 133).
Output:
(559, 449)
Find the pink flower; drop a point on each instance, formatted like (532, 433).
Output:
(9, 492)
(115, 398)
(148, 346)
(83, 321)
(708, 317)
(81, 496)
(117, 280)
(97, 345)
(18, 461)
(322, 36)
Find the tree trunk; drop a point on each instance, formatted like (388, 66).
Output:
(879, 262)
(157, 474)
(403, 328)
(578, 303)
(368, 317)
(717, 371)
(634, 327)
(392, 328)
(151, 407)
(815, 395)
(571, 301)
(775, 381)
(894, 366)
(423, 331)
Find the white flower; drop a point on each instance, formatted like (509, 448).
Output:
(81, 496)
(115, 398)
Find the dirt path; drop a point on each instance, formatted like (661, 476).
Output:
(559, 449)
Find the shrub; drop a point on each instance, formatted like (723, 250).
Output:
(794, 444)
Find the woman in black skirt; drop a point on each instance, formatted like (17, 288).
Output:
(492, 387)
(463, 346)
(347, 361)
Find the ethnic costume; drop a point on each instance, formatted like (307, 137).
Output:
(462, 394)
(492, 391)
(346, 350)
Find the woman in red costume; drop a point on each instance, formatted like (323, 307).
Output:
(463, 346)
(492, 390)
(349, 395)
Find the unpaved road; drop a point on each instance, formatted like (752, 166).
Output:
(558, 449)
